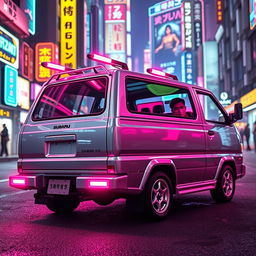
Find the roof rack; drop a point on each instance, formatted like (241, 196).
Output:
(71, 72)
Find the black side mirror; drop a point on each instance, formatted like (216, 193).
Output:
(238, 113)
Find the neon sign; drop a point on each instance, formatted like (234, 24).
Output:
(9, 48)
(68, 33)
(45, 52)
(10, 86)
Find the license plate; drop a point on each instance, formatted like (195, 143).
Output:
(58, 187)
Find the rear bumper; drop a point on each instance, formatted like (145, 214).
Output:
(243, 172)
(83, 183)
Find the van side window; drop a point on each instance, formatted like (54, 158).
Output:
(145, 97)
(212, 111)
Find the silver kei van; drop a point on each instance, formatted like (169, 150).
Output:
(100, 134)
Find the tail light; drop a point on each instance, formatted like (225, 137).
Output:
(98, 184)
(18, 182)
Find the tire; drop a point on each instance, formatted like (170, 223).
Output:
(62, 206)
(225, 187)
(158, 196)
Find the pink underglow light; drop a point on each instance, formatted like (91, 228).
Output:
(98, 184)
(158, 72)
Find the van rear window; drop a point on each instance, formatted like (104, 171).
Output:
(87, 97)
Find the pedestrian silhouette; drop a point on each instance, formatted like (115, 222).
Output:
(247, 136)
(4, 140)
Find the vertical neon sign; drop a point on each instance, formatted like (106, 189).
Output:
(10, 86)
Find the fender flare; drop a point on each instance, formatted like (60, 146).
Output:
(151, 165)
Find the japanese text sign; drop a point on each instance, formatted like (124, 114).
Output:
(10, 86)
(68, 33)
(14, 17)
(45, 52)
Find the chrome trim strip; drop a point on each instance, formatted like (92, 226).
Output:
(195, 187)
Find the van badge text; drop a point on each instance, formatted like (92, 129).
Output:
(62, 126)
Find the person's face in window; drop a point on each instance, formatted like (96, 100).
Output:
(179, 109)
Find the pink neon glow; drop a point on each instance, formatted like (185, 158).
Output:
(17, 181)
(101, 58)
(98, 184)
(55, 66)
(157, 72)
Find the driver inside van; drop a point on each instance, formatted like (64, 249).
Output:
(178, 108)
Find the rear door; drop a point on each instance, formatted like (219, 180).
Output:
(66, 130)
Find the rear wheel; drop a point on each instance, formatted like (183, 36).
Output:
(62, 205)
(159, 195)
(225, 187)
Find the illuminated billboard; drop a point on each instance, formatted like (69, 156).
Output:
(198, 23)
(68, 33)
(115, 31)
(10, 86)
(187, 28)
(23, 93)
(165, 36)
(252, 13)
(45, 52)
(9, 48)
(13, 17)
(29, 7)
(188, 67)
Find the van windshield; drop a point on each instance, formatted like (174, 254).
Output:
(78, 98)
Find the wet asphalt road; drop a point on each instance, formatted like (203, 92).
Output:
(197, 226)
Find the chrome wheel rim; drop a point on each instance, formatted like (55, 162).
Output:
(227, 183)
(160, 196)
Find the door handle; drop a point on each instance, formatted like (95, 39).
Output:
(211, 133)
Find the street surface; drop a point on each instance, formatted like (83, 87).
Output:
(197, 226)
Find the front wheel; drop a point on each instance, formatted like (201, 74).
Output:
(158, 195)
(225, 187)
(62, 205)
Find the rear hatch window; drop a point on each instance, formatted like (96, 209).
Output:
(87, 97)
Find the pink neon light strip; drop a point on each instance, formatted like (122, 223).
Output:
(55, 66)
(102, 58)
(18, 181)
(99, 184)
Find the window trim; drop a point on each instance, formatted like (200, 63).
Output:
(71, 82)
(216, 102)
(195, 117)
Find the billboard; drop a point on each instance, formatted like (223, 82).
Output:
(29, 7)
(9, 48)
(115, 31)
(252, 13)
(10, 86)
(26, 61)
(23, 93)
(45, 52)
(68, 33)
(12, 16)
(166, 40)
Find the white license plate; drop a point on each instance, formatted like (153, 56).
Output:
(58, 187)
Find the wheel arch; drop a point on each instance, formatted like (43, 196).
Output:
(226, 161)
(165, 165)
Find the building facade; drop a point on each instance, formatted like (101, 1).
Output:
(236, 39)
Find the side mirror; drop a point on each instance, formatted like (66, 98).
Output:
(238, 113)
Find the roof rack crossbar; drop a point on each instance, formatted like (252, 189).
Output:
(77, 72)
